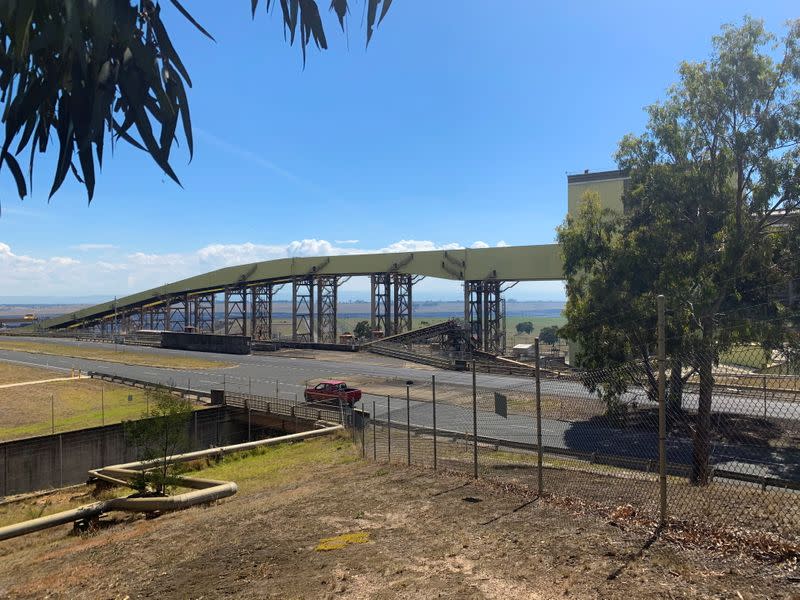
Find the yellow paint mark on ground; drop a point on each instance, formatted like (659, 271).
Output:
(340, 541)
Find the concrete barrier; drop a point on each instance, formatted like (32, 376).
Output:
(206, 342)
(52, 461)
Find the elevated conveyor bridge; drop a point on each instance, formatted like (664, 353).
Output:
(246, 294)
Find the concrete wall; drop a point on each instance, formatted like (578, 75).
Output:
(206, 342)
(64, 458)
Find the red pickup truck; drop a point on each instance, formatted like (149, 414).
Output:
(332, 391)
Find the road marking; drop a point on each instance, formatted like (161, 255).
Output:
(35, 364)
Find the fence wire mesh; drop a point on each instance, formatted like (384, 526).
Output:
(737, 466)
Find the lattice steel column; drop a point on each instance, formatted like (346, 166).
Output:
(135, 320)
(381, 302)
(176, 313)
(204, 313)
(261, 326)
(402, 319)
(327, 289)
(303, 309)
(473, 311)
(236, 311)
(494, 316)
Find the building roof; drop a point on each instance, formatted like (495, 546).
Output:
(587, 177)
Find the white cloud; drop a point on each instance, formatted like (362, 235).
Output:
(120, 274)
(91, 247)
(64, 261)
(418, 246)
(502, 244)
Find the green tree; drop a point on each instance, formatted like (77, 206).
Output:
(159, 434)
(525, 327)
(549, 335)
(714, 183)
(362, 330)
(81, 71)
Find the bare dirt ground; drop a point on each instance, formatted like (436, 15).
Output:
(311, 521)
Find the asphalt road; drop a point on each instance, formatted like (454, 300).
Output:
(263, 374)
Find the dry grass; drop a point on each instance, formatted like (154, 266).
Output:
(65, 405)
(425, 535)
(148, 359)
(14, 373)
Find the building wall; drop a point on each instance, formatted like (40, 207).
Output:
(609, 184)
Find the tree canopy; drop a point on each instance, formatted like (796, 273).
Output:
(710, 220)
(79, 72)
(524, 327)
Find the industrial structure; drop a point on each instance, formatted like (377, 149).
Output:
(246, 293)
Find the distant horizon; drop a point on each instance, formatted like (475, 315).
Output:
(355, 299)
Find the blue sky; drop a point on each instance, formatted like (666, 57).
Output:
(458, 125)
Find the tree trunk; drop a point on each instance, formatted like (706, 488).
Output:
(675, 390)
(701, 469)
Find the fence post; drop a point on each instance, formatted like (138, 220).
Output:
(60, 461)
(433, 392)
(389, 424)
(277, 390)
(765, 396)
(539, 477)
(374, 435)
(408, 423)
(474, 422)
(363, 427)
(52, 414)
(662, 412)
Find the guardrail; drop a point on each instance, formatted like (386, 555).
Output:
(290, 408)
(149, 385)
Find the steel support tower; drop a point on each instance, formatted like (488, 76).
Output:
(401, 319)
(381, 303)
(261, 306)
(327, 293)
(494, 319)
(177, 313)
(485, 315)
(473, 312)
(236, 311)
(303, 309)
(204, 313)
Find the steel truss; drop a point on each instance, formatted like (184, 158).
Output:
(236, 311)
(473, 312)
(262, 298)
(176, 313)
(485, 315)
(157, 317)
(303, 309)
(402, 318)
(203, 309)
(327, 295)
(134, 320)
(381, 303)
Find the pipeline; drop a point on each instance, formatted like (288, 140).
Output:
(203, 490)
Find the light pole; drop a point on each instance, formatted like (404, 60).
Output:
(409, 383)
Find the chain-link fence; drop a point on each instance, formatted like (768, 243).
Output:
(595, 437)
